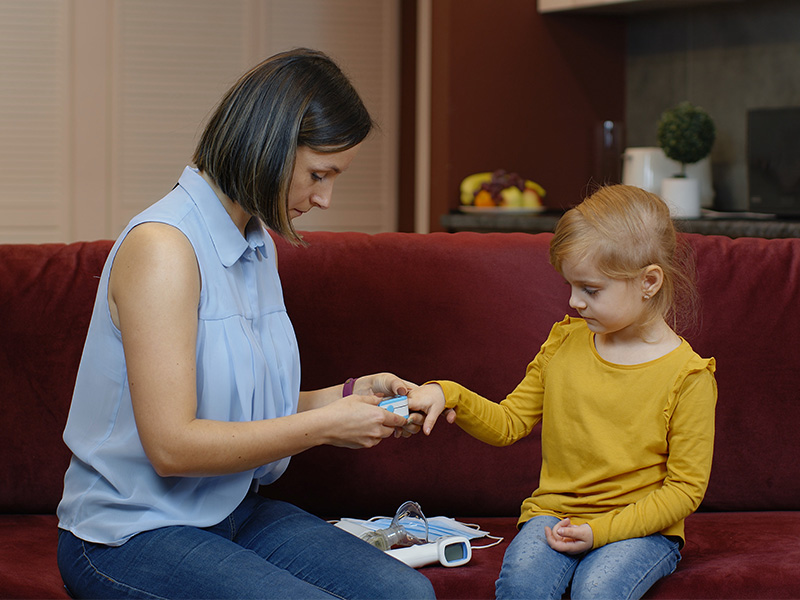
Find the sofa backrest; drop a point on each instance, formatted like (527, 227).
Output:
(46, 297)
(469, 307)
(750, 293)
(475, 308)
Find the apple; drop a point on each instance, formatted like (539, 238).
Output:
(530, 199)
(512, 197)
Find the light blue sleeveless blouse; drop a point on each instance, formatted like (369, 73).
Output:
(248, 368)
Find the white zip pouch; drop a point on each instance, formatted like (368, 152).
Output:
(438, 527)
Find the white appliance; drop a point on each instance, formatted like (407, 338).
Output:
(647, 167)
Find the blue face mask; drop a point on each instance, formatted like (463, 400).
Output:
(437, 527)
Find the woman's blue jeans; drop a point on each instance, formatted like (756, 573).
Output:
(264, 549)
(620, 570)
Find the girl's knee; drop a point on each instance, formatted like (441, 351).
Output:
(626, 569)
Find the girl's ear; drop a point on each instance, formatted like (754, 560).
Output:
(652, 280)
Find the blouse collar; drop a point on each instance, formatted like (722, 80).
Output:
(226, 237)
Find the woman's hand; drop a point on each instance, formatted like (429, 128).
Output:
(383, 384)
(387, 385)
(568, 538)
(356, 421)
(429, 399)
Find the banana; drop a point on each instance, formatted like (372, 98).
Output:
(471, 184)
(535, 187)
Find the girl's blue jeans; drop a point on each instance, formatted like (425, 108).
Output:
(264, 549)
(620, 570)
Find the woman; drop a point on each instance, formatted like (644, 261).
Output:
(188, 393)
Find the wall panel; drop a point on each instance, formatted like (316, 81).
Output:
(34, 120)
(102, 102)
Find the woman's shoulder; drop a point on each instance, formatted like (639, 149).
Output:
(155, 243)
(153, 256)
(160, 231)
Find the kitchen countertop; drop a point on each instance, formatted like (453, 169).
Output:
(711, 223)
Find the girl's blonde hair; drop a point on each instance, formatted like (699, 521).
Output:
(624, 229)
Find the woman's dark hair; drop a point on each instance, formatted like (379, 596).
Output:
(295, 98)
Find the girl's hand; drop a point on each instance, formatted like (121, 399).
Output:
(568, 538)
(429, 399)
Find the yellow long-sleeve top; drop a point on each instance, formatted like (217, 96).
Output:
(625, 448)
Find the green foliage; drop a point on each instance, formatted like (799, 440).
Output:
(686, 133)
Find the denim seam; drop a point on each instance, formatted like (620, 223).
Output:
(125, 586)
(565, 578)
(232, 524)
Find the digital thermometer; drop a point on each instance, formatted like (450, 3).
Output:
(450, 551)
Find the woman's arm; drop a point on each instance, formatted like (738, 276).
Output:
(380, 384)
(154, 291)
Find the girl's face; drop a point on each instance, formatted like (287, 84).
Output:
(609, 306)
(313, 177)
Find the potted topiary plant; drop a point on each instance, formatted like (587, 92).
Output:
(686, 134)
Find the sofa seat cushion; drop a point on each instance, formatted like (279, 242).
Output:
(28, 566)
(727, 555)
(476, 578)
(737, 555)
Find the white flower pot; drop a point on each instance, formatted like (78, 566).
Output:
(646, 167)
(682, 195)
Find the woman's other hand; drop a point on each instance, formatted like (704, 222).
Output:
(383, 384)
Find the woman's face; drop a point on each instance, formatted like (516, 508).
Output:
(313, 177)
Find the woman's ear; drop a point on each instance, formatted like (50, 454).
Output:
(652, 280)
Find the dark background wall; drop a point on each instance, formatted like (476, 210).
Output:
(526, 92)
(521, 91)
(727, 57)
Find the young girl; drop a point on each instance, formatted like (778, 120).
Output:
(626, 405)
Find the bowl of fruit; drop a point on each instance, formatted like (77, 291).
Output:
(500, 191)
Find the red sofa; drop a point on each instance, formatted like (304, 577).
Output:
(470, 307)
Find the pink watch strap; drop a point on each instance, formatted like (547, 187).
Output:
(347, 390)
